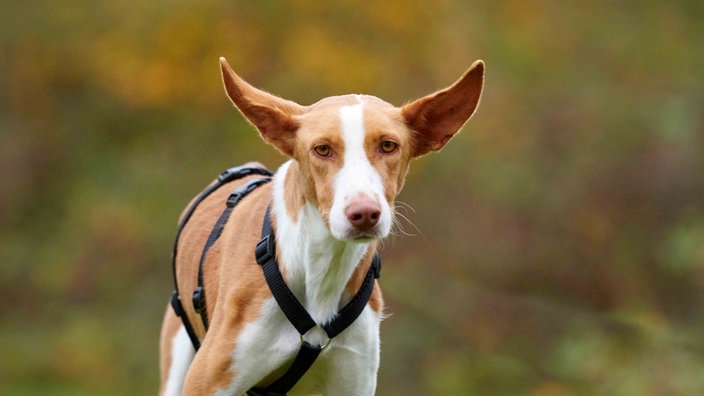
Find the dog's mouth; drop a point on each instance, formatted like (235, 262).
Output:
(364, 238)
(367, 235)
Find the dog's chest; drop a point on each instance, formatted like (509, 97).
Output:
(264, 349)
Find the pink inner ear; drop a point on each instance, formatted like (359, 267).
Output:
(272, 116)
(277, 128)
(437, 117)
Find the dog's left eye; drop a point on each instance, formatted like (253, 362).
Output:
(388, 147)
(323, 150)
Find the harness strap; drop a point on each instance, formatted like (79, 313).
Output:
(354, 308)
(225, 177)
(178, 310)
(265, 254)
(236, 196)
(307, 354)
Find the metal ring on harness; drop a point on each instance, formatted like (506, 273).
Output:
(322, 347)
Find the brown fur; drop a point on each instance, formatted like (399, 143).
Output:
(234, 283)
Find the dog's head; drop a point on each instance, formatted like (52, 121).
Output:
(352, 152)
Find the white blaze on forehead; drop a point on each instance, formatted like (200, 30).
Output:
(357, 176)
(352, 118)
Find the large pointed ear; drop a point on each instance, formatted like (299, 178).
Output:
(275, 118)
(437, 117)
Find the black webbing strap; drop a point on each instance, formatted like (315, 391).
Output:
(236, 196)
(265, 254)
(354, 308)
(294, 311)
(178, 310)
(224, 177)
(307, 354)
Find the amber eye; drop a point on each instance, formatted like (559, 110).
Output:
(388, 147)
(323, 150)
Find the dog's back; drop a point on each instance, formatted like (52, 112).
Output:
(236, 244)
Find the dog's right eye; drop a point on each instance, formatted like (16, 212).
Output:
(323, 150)
(388, 147)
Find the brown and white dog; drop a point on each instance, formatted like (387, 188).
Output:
(331, 203)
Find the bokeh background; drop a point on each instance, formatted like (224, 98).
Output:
(556, 245)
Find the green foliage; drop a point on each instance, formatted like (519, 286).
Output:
(560, 235)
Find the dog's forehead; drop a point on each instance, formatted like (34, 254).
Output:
(376, 113)
(350, 100)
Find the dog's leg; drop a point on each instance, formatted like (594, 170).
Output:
(176, 354)
(354, 365)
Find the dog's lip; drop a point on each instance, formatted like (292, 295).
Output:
(349, 233)
(364, 236)
(359, 236)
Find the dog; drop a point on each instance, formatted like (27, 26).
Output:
(329, 206)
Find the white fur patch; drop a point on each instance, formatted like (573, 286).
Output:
(347, 367)
(356, 178)
(317, 265)
(182, 354)
(290, 246)
(261, 347)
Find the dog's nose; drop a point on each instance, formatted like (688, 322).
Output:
(363, 214)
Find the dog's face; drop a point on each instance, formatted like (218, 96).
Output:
(353, 154)
(353, 151)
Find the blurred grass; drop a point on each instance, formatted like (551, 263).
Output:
(560, 238)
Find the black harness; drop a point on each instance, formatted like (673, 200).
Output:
(265, 253)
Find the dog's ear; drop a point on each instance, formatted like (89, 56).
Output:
(275, 118)
(434, 119)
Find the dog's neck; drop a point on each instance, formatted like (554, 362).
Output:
(317, 268)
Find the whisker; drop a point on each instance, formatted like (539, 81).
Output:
(399, 218)
(404, 205)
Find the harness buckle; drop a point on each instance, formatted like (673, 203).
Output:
(198, 300)
(230, 174)
(243, 190)
(233, 199)
(265, 250)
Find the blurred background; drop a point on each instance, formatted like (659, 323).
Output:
(556, 245)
